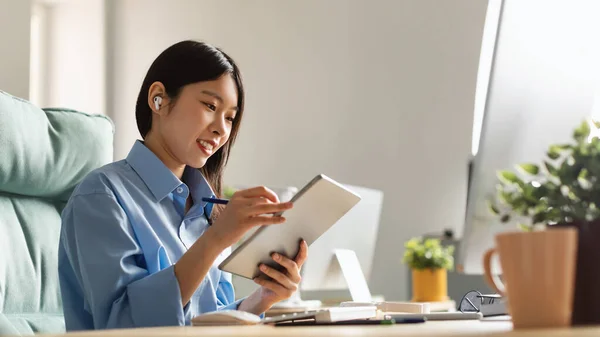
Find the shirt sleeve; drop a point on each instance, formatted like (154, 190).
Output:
(226, 294)
(118, 291)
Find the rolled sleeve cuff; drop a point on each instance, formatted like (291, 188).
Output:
(232, 306)
(157, 300)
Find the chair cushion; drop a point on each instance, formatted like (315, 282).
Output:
(44, 154)
(29, 254)
(29, 324)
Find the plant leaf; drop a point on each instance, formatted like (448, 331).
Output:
(493, 208)
(539, 217)
(553, 154)
(506, 197)
(529, 168)
(524, 227)
(583, 174)
(558, 148)
(508, 177)
(563, 146)
(582, 179)
(582, 132)
(568, 172)
(551, 169)
(541, 191)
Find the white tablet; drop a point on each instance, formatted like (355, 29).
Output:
(317, 207)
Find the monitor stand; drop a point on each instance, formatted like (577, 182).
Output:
(295, 303)
(345, 263)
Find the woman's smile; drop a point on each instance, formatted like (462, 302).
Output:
(206, 146)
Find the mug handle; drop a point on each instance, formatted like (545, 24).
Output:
(491, 279)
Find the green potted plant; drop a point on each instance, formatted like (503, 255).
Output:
(228, 191)
(429, 262)
(562, 191)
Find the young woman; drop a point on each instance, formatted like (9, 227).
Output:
(138, 247)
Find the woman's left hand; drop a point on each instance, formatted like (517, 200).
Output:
(281, 285)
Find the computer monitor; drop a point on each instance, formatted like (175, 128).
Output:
(357, 231)
(541, 84)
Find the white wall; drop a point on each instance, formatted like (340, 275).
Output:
(14, 47)
(75, 55)
(372, 93)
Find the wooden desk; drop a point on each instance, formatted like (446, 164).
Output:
(433, 328)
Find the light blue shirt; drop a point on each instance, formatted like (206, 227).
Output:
(123, 229)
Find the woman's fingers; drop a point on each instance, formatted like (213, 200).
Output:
(278, 276)
(290, 265)
(265, 220)
(269, 208)
(302, 254)
(259, 191)
(277, 288)
(251, 202)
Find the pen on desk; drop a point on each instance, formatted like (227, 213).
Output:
(216, 201)
(404, 319)
(350, 322)
(366, 322)
(408, 320)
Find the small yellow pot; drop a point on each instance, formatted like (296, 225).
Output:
(430, 285)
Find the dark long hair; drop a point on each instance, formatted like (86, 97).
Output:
(184, 63)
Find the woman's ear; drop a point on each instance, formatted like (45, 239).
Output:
(157, 98)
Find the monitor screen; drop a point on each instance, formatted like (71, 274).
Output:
(541, 83)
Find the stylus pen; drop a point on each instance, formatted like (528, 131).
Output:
(216, 201)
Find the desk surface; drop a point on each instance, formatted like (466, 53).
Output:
(436, 328)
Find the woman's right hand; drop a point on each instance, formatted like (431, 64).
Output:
(247, 209)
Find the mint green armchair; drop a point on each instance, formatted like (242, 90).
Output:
(43, 156)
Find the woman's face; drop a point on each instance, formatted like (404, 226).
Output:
(200, 120)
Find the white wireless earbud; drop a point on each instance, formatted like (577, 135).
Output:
(157, 102)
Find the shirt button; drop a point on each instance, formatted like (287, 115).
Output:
(179, 190)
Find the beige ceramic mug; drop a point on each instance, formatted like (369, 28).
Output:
(538, 269)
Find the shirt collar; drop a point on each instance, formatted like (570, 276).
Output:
(199, 187)
(161, 181)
